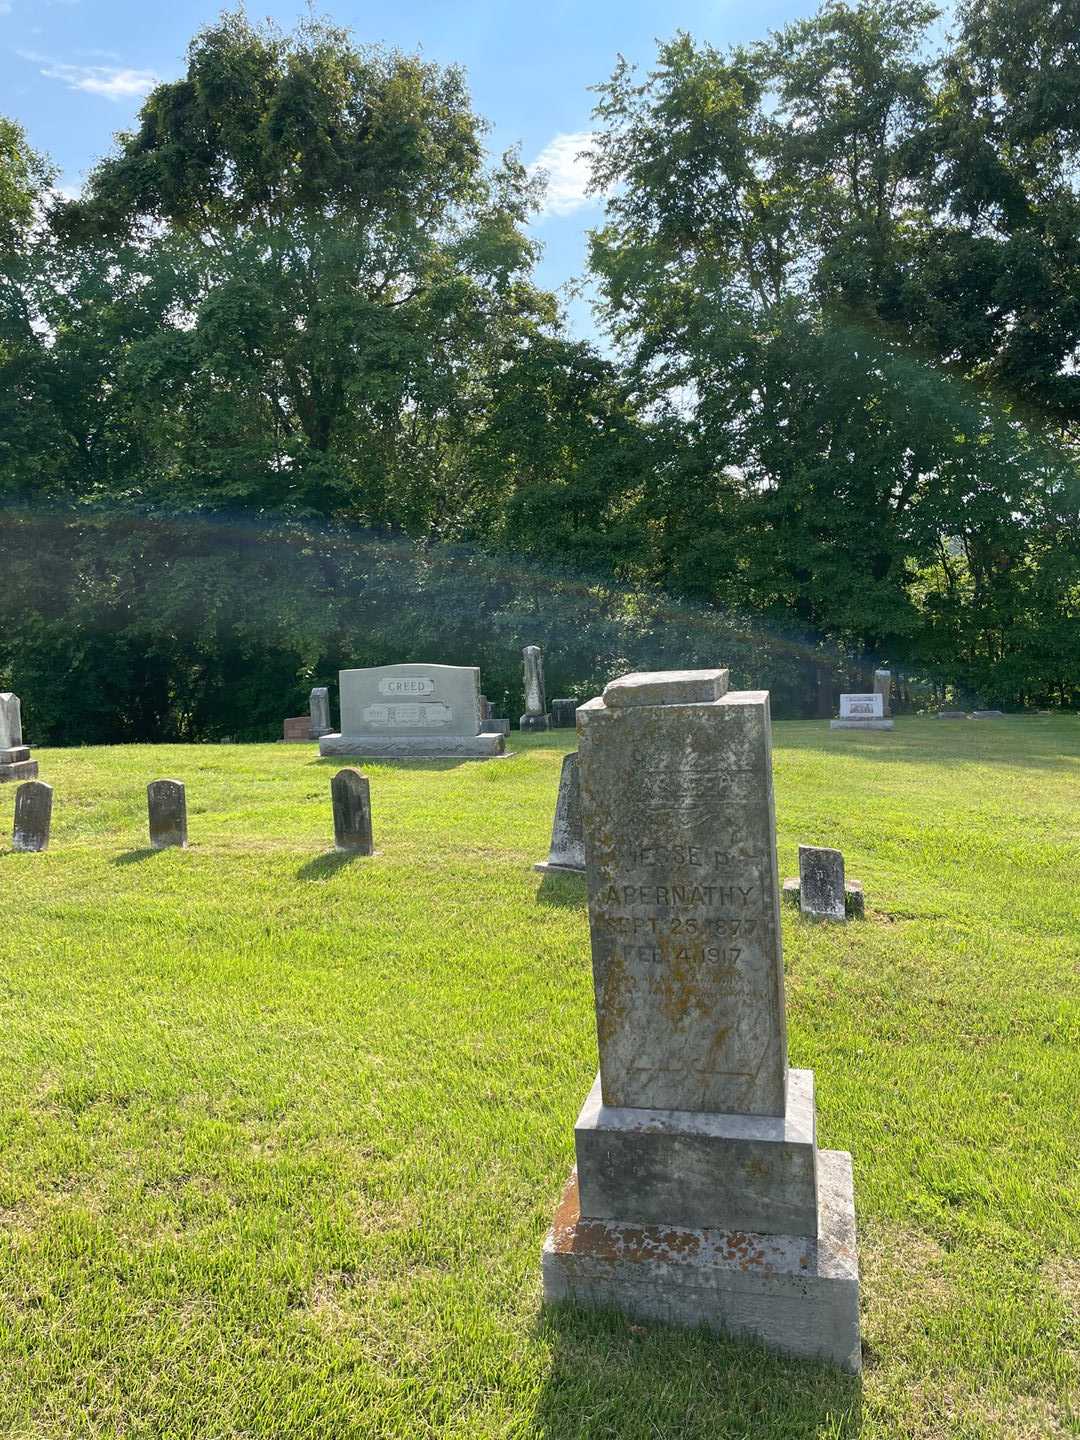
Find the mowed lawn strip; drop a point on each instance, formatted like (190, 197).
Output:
(281, 1132)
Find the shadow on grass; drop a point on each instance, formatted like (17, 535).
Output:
(132, 857)
(323, 866)
(562, 888)
(612, 1377)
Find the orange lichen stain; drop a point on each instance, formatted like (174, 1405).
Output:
(576, 1234)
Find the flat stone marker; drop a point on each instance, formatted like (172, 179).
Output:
(536, 716)
(952, 715)
(563, 714)
(413, 709)
(33, 816)
(988, 714)
(319, 704)
(567, 837)
(821, 883)
(699, 1195)
(15, 761)
(350, 795)
(166, 803)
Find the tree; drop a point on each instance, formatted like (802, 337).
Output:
(771, 212)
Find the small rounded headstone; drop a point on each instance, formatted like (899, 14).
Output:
(166, 804)
(33, 816)
(350, 795)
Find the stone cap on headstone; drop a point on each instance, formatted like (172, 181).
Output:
(666, 687)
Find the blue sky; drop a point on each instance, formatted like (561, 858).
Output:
(73, 72)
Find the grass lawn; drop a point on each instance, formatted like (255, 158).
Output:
(281, 1133)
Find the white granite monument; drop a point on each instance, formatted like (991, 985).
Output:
(861, 712)
(699, 1196)
(397, 711)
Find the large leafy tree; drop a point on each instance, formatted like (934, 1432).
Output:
(320, 272)
(766, 268)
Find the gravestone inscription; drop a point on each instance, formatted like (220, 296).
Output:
(700, 1195)
(861, 712)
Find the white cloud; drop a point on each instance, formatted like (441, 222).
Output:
(567, 170)
(113, 82)
(5, 7)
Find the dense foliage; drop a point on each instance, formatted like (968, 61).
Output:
(277, 391)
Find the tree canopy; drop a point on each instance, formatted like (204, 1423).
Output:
(839, 283)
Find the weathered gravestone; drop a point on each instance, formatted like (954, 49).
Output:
(821, 883)
(567, 838)
(699, 1196)
(319, 705)
(166, 804)
(861, 712)
(883, 687)
(490, 723)
(952, 715)
(536, 716)
(350, 795)
(411, 710)
(15, 761)
(988, 714)
(296, 728)
(33, 816)
(563, 714)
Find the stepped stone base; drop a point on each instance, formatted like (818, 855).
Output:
(796, 1294)
(402, 747)
(854, 898)
(701, 1168)
(25, 769)
(860, 725)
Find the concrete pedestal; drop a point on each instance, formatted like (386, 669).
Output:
(795, 1293)
(16, 764)
(404, 747)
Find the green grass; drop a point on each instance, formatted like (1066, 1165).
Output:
(281, 1134)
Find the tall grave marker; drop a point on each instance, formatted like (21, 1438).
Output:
(166, 806)
(699, 1196)
(536, 715)
(567, 837)
(15, 761)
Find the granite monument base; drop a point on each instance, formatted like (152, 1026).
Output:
(534, 722)
(797, 1294)
(404, 747)
(699, 1168)
(860, 725)
(15, 764)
